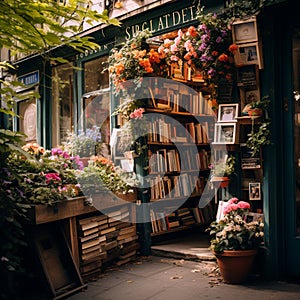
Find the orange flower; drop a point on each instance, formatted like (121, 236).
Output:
(223, 57)
(192, 31)
(233, 48)
(119, 68)
(154, 56)
(214, 53)
(228, 76)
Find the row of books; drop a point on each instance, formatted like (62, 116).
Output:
(163, 130)
(181, 218)
(180, 100)
(106, 239)
(169, 160)
(174, 186)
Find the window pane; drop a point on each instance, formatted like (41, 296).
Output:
(62, 102)
(94, 79)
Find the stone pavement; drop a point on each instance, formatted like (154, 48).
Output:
(162, 278)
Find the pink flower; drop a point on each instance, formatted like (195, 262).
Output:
(188, 45)
(137, 113)
(235, 204)
(233, 200)
(174, 48)
(243, 205)
(174, 58)
(52, 177)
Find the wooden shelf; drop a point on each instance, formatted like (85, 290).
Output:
(247, 120)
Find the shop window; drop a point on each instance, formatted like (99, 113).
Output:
(27, 121)
(94, 77)
(62, 102)
(97, 114)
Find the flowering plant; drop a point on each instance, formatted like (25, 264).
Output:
(206, 47)
(134, 60)
(84, 144)
(102, 174)
(233, 232)
(223, 168)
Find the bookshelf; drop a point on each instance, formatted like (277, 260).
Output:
(181, 127)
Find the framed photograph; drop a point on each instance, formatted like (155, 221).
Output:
(254, 191)
(248, 54)
(245, 31)
(228, 112)
(225, 133)
(119, 143)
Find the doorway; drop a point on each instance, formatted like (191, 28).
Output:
(292, 169)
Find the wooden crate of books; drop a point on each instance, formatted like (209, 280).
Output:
(106, 239)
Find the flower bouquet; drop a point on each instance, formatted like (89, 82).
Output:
(233, 232)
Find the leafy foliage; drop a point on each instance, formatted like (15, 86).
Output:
(29, 27)
(37, 26)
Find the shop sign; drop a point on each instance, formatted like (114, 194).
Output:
(101, 48)
(164, 22)
(30, 78)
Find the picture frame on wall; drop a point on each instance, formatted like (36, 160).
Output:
(248, 54)
(247, 76)
(254, 191)
(225, 133)
(228, 112)
(245, 31)
(119, 144)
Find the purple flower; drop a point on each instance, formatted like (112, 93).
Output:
(211, 72)
(203, 27)
(219, 40)
(202, 47)
(223, 33)
(205, 38)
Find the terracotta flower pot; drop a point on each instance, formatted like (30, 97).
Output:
(222, 182)
(235, 265)
(255, 112)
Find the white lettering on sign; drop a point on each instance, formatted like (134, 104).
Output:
(163, 22)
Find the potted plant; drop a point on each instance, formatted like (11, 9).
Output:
(235, 242)
(221, 170)
(258, 137)
(103, 176)
(84, 144)
(257, 107)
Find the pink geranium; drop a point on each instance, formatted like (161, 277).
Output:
(234, 204)
(52, 177)
(137, 113)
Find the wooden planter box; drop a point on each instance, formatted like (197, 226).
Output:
(73, 207)
(41, 213)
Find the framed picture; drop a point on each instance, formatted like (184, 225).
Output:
(247, 76)
(119, 143)
(245, 31)
(254, 191)
(228, 112)
(225, 133)
(248, 54)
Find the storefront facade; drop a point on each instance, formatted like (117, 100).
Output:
(64, 106)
